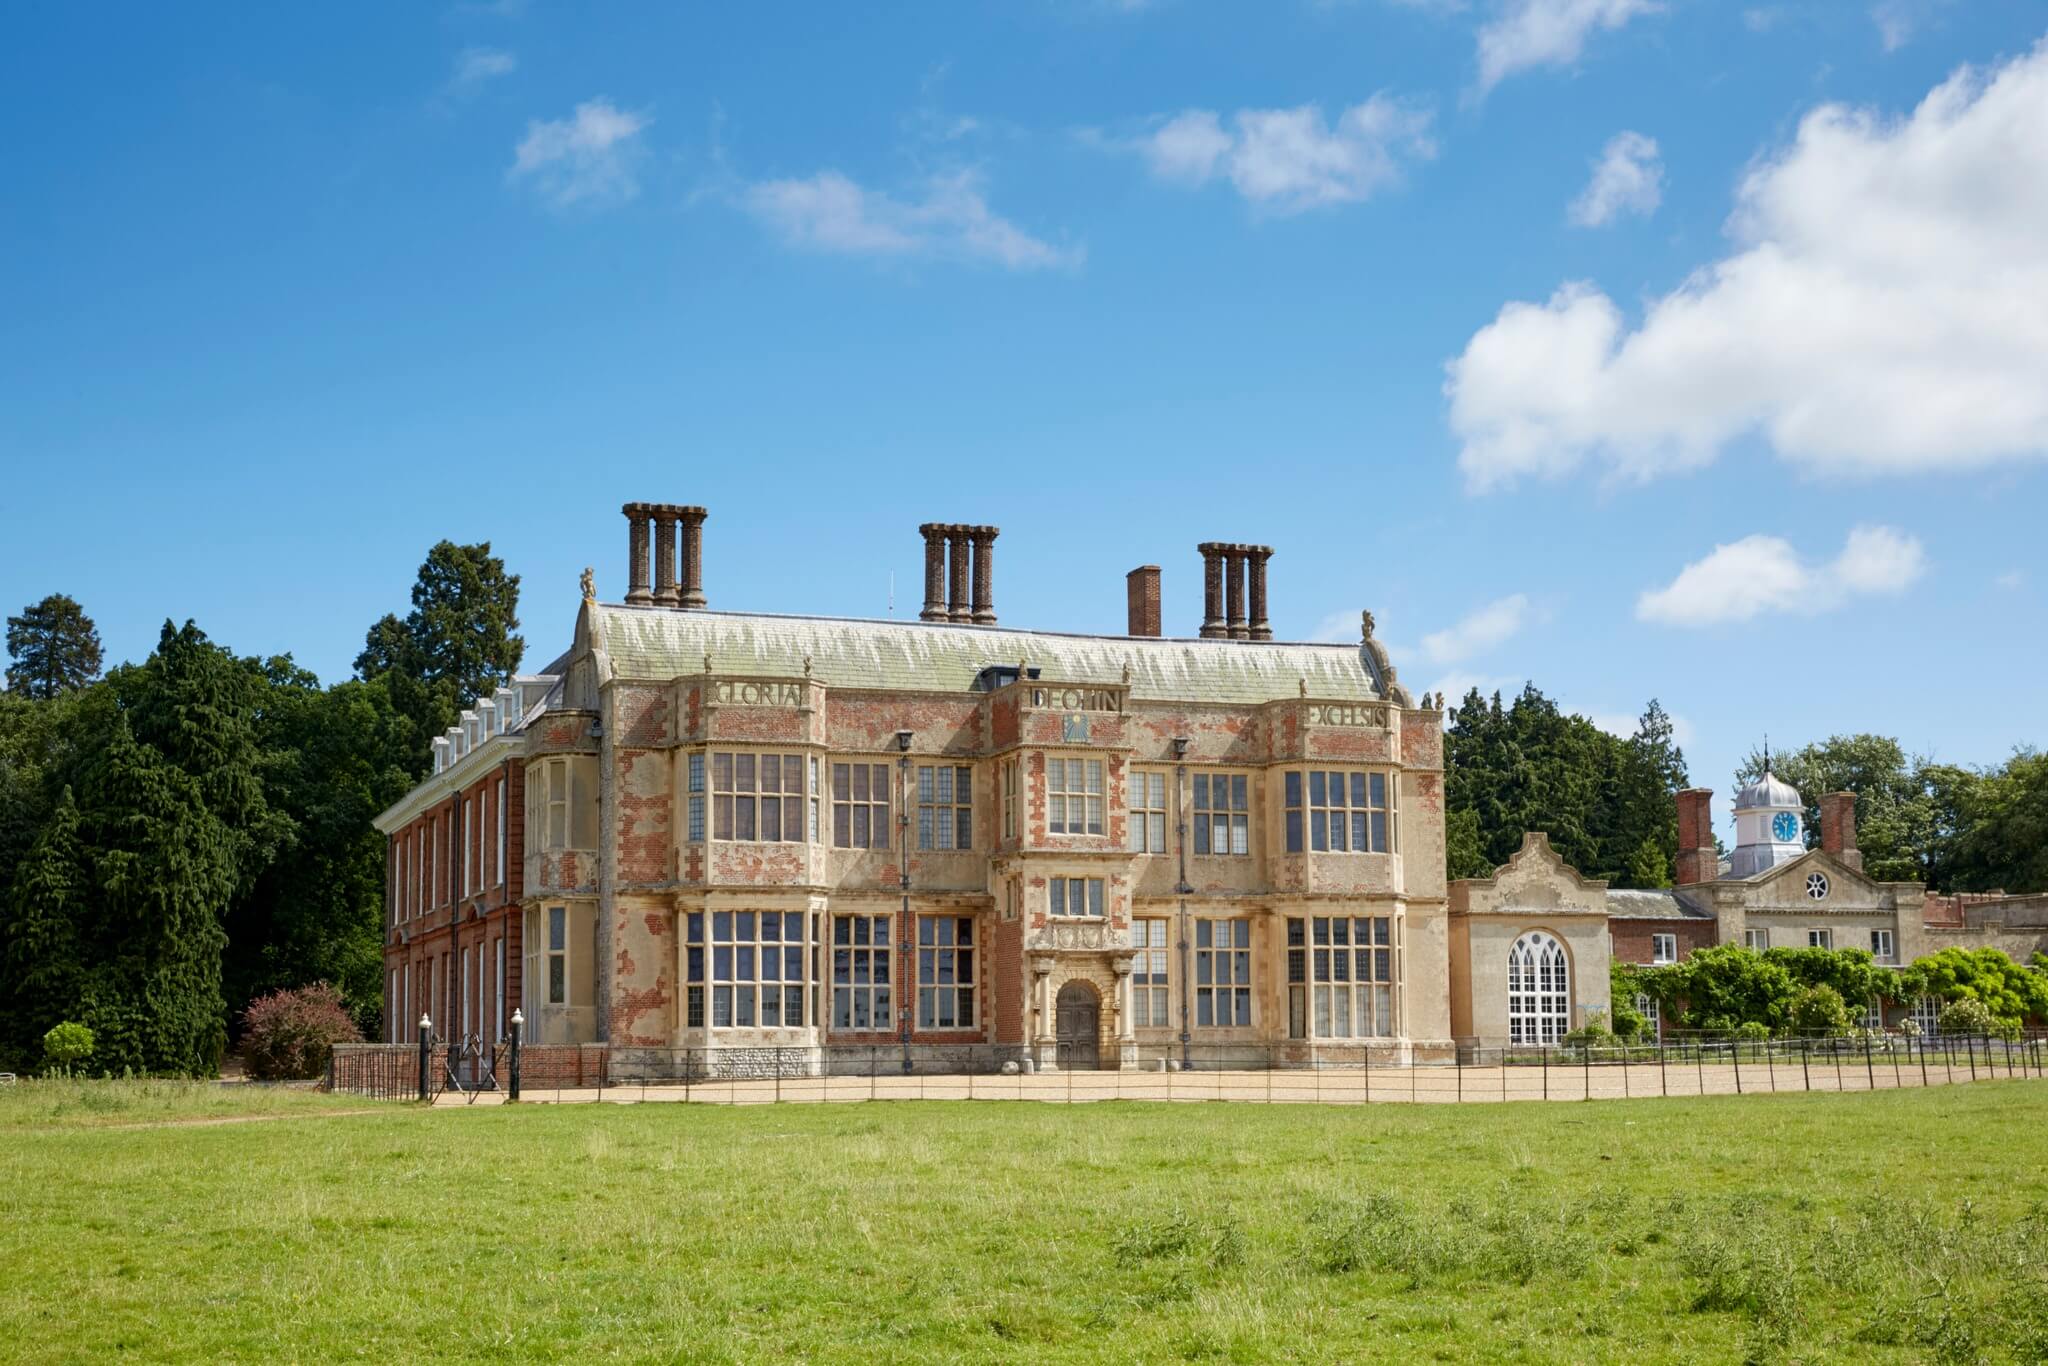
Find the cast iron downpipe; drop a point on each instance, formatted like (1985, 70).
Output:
(1181, 889)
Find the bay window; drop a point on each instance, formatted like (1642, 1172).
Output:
(1342, 966)
(757, 797)
(1075, 896)
(1073, 797)
(1339, 811)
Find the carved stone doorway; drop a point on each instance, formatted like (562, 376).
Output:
(1077, 1016)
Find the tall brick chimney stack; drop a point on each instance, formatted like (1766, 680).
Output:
(690, 593)
(934, 534)
(1697, 860)
(1141, 586)
(959, 573)
(1256, 557)
(1838, 828)
(638, 589)
(1213, 625)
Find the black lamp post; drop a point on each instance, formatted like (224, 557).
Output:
(1182, 889)
(906, 944)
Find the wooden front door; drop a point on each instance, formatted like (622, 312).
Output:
(1077, 1016)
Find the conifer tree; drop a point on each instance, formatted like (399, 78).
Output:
(42, 956)
(459, 642)
(163, 871)
(55, 646)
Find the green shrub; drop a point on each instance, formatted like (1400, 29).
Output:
(1966, 1016)
(67, 1045)
(1751, 1031)
(1819, 1010)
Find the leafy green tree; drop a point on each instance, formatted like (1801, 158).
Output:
(55, 647)
(333, 758)
(67, 1044)
(2003, 828)
(1851, 973)
(459, 642)
(2009, 990)
(1724, 986)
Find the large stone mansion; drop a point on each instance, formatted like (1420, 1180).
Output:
(727, 832)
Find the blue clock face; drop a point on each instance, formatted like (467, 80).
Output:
(1784, 825)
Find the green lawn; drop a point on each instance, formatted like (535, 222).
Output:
(1895, 1226)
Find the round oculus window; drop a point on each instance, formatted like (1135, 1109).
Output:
(1817, 886)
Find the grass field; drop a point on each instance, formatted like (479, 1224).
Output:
(1894, 1226)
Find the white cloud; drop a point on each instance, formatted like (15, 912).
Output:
(587, 158)
(477, 66)
(951, 217)
(1338, 628)
(1628, 178)
(1760, 574)
(1478, 631)
(1547, 33)
(1898, 21)
(1886, 313)
(1288, 160)
(2010, 580)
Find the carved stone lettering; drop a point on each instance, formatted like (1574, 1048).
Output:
(1346, 714)
(727, 693)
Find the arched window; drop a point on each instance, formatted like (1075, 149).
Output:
(1539, 990)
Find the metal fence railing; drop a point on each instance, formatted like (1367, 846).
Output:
(1361, 1073)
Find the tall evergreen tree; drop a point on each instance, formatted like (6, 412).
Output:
(55, 647)
(42, 949)
(196, 704)
(164, 868)
(459, 642)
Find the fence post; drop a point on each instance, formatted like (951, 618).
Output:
(1546, 1069)
(1663, 1081)
(426, 1053)
(1699, 1062)
(1589, 1073)
(1969, 1046)
(1920, 1047)
(1805, 1065)
(512, 1063)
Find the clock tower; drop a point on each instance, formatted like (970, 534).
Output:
(1769, 826)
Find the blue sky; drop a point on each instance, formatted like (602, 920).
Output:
(1683, 350)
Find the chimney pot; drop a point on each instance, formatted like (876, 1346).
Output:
(1141, 589)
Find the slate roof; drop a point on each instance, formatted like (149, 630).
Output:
(1672, 904)
(663, 643)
